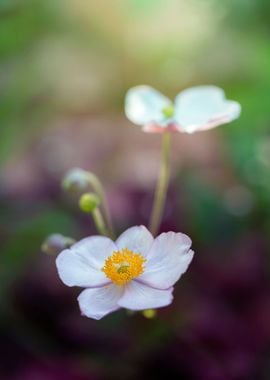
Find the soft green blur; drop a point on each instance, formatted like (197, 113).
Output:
(74, 56)
(65, 68)
(75, 59)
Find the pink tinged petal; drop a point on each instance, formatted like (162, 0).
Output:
(138, 239)
(204, 107)
(144, 105)
(98, 302)
(155, 128)
(167, 260)
(81, 264)
(138, 296)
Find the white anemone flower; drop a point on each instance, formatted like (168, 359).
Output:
(195, 109)
(135, 272)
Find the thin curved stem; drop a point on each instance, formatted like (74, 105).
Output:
(100, 223)
(162, 185)
(98, 188)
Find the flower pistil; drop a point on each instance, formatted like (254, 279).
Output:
(122, 266)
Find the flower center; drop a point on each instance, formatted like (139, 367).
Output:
(122, 266)
(168, 111)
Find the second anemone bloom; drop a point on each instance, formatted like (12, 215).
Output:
(135, 272)
(194, 109)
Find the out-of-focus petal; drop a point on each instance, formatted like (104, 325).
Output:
(204, 107)
(155, 128)
(98, 302)
(168, 259)
(138, 296)
(144, 105)
(81, 264)
(137, 239)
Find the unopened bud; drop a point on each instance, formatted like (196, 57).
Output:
(89, 202)
(76, 180)
(55, 243)
(149, 313)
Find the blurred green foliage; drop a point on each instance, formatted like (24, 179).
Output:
(66, 58)
(23, 240)
(74, 59)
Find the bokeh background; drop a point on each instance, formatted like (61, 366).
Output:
(65, 68)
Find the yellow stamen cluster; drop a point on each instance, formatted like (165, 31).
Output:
(122, 266)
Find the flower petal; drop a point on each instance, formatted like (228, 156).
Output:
(138, 296)
(167, 260)
(144, 105)
(157, 128)
(204, 107)
(98, 302)
(81, 264)
(138, 239)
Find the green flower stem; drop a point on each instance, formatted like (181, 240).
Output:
(100, 223)
(162, 185)
(98, 188)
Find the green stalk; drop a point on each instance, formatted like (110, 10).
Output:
(100, 223)
(98, 188)
(162, 185)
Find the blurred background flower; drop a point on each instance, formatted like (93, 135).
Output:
(65, 68)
